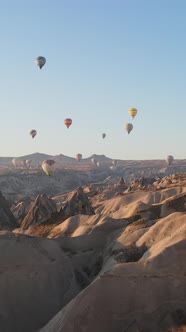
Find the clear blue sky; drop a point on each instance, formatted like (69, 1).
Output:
(103, 57)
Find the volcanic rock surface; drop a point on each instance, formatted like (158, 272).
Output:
(114, 260)
(7, 220)
(40, 211)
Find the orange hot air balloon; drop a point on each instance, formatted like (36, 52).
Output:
(79, 156)
(67, 122)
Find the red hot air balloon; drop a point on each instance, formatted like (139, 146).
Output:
(67, 122)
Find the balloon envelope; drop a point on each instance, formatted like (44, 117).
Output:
(169, 159)
(48, 166)
(14, 162)
(79, 156)
(28, 162)
(132, 112)
(33, 133)
(40, 61)
(128, 127)
(67, 122)
(94, 162)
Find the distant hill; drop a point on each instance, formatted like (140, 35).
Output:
(37, 159)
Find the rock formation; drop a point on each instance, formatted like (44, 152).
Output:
(21, 208)
(77, 203)
(40, 211)
(7, 220)
(37, 278)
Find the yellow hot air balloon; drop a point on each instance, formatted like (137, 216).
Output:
(132, 112)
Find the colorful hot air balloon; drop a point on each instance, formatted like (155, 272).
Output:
(103, 135)
(48, 166)
(79, 156)
(67, 122)
(128, 127)
(40, 61)
(132, 112)
(33, 133)
(169, 159)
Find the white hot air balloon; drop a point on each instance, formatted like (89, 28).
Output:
(28, 162)
(169, 159)
(94, 162)
(48, 166)
(114, 162)
(40, 61)
(15, 162)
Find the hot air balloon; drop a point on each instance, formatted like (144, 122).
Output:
(103, 135)
(28, 162)
(40, 61)
(79, 156)
(67, 122)
(169, 159)
(114, 162)
(14, 162)
(113, 168)
(132, 112)
(48, 166)
(33, 133)
(128, 127)
(94, 162)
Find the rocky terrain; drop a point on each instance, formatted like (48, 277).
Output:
(21, 181)
(108, 255)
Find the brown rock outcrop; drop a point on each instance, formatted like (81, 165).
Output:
(21, 208)
(77, 203)
(41, 210)
(7, 220)
(148, 295)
